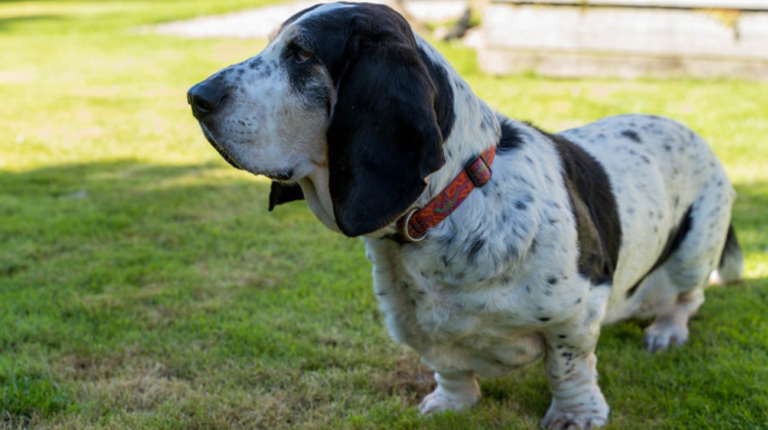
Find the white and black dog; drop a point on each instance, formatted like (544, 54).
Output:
(624, 217)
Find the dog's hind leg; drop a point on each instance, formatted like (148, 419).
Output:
(675, 291)
(670, 328)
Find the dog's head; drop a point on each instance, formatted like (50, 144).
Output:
(341, 92)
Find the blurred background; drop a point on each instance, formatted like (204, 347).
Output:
(566, 38)
(143, 284)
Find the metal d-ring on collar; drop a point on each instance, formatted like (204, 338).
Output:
(407, 234)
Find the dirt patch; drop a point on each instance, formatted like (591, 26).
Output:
(409, 378)
(89, 368)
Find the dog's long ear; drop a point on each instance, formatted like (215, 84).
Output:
(383, 139)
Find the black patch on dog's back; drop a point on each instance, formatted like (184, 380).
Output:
(676, 237)
(511, 136)
(594, 209)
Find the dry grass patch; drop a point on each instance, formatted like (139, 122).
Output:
(409, 379)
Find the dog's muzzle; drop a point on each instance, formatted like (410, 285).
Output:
(207, 98)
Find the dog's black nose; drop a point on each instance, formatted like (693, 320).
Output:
(205, 98)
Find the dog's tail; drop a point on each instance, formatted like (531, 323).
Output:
(731, 266)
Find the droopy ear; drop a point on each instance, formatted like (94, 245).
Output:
(284, 193)
(383, 139)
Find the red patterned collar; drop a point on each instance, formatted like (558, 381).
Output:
(414, 225)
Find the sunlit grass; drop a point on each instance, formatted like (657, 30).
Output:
(144, 285)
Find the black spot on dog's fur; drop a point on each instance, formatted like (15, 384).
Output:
(256, 62)
(488, 119)
(446, 261)
(632, 136)
(475, 248)
(512, 252)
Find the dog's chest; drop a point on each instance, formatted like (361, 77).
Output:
(492, 324)
(442, 309)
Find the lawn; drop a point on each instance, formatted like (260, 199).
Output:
(143, 284)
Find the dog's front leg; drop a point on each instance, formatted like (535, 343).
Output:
(455, 391)
(577, 401)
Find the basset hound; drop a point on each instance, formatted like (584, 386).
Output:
(494, 244)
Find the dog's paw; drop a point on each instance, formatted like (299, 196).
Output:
(441, 400)
(660, 336)
(591, 417)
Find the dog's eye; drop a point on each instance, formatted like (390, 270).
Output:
(302, 55)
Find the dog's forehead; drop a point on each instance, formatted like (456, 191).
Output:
(309, 14)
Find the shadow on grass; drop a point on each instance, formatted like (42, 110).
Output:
(26, 395)
(116, 177)
(9, 24)
(750, 216)
(121, 195)
(102, 259)
(70, 209)
(130, 211)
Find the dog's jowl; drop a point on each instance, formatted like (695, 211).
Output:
(493, 243)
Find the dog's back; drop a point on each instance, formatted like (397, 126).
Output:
(674, 201)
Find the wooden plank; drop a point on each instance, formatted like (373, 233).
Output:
(761, 5)
(665, 33)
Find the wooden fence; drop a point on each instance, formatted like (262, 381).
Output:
(628, 38)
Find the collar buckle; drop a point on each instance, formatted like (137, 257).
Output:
(479, 171)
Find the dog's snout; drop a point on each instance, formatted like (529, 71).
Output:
(206, 98)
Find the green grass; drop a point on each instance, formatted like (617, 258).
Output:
(144, 285)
